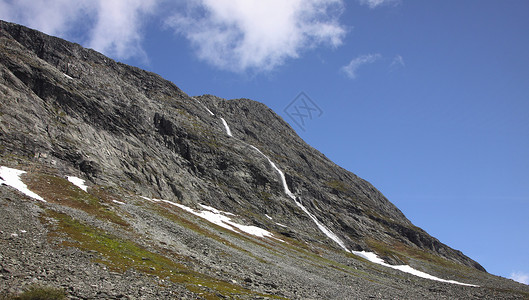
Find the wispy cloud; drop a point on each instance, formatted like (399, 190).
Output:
(351, 68)
(112, 27)
(236, 35)
(520, 277)
(396, 64)
(398, 61)
(51, 17)
(376, 3)
(241, 35)
(118, 26)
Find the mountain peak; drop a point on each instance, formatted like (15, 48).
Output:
(224, 187)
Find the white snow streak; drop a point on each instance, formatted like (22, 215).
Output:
(220, 218)
(212, 209)
(367, 255)
(372, 257)
(78, 182)
(209, 111)
(228, 131)
(322, 228)
(11, 177)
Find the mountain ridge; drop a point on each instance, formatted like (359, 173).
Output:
(70, 110)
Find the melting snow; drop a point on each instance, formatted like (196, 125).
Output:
(220, 218)
(372, 257)
(212, 209)
(322, 228)
(228, 131)
(11, 177)
(209, 111)
(78, 182)
(367, 255)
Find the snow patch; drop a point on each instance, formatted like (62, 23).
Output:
(372, 257)
(212, 209)
(80, 183)
(209, 111)
(367, 255)
(11, 177)
(270, 218)
(67, 76)
(321, 227)
(220, 218)
(150, 199)
(118, 202)
(228, 131)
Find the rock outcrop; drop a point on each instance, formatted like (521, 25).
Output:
(136, 137)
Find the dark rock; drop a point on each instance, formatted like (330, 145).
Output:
(67, 110)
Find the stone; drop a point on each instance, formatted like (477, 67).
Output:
(130, 133)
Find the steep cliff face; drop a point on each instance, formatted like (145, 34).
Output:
(131, 134)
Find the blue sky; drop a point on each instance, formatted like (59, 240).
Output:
(427, 100)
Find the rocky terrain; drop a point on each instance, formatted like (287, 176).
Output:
(189, 197)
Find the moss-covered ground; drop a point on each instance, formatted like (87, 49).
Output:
(121, 255)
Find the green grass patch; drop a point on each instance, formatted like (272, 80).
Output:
(170, 212)
(59, 190)
(120, 255)
(265, 196)
(384, 250)
(37, 292)
(406, 253)
(337, 185)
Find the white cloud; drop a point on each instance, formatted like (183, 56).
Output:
(118, 27)
(520, 277)
(351, 69)
(112, 27)
(237, 35)
(240, 35)
(375, 3)
(51, 17)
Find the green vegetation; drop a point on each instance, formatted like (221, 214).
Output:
(120, 255)
(408, 253)
(59, 190)
(265, 196)
(36, 292)
(337, 185)
(383, 250)
(168, 211)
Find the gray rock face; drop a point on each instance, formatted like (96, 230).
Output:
(78, 112)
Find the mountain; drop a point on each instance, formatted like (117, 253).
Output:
(117, 184)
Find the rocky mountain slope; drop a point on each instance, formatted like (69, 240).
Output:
(190, 197)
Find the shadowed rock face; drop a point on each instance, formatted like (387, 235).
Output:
(78, 112)
(116, 124)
